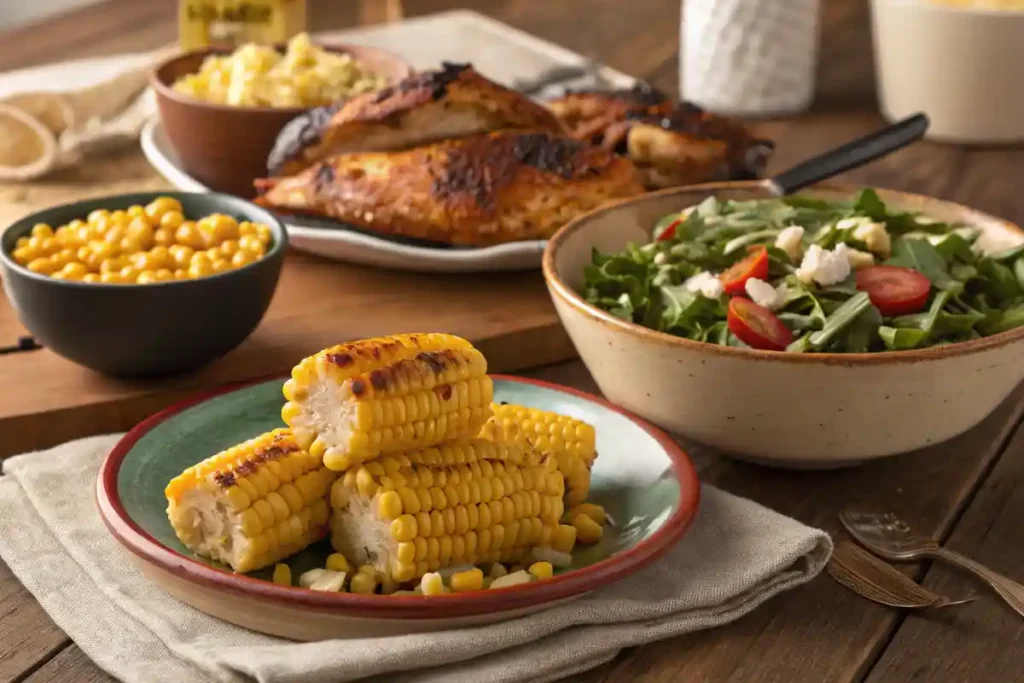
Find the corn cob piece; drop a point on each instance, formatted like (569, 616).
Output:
(252, 505)
(466, 502)
(571, 441)
(352, 402)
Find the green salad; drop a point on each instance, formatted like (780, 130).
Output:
(807, 275)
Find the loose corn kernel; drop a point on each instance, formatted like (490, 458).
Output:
(592, 510)
(542, 570)
(587, 530)
(336, 562)
(432, 584)
(563, 539)
(282, 575)
(364, 582)
(469, 580)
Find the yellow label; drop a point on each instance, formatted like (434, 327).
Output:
(229, 23)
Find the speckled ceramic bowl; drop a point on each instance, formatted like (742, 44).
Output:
(782, 409)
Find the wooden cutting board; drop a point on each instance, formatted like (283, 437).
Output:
(47, 400)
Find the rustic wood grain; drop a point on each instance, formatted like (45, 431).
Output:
(979, 641)
(27, 635)
(817, 633)
(70, 666)
(821, 632)
(318, 303)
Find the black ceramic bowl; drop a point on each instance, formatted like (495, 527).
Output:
(152, 329)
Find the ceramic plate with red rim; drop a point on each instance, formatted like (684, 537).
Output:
(643, 479)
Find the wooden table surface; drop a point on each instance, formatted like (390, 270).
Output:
(967, 493)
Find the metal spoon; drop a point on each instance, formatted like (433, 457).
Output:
(869, 577)
(889, 537)
(851, 155)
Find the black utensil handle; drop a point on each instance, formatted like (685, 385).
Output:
(851, 155)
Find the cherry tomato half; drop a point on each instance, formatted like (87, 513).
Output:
(669, 232)
(756, 326)
(894, 290)
(735, 277)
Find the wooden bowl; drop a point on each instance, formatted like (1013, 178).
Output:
(642, 477)
(225, 147)
(144, 330)
(800, 410)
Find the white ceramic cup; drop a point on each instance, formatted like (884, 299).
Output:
(961, 66)
(749, 57)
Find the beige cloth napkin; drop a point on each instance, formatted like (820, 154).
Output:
(737, 555)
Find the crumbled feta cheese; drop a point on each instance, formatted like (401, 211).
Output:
(849, 223)
(706, 284)
(875, 236)
(660, 258)
(858, 259)
(926, 220)
(789, 241)
(763, 294)
(824, 267)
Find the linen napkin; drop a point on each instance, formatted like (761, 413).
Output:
(737, 555)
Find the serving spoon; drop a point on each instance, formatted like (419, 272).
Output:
(849, 156)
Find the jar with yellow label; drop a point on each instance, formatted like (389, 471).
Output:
(230, 23)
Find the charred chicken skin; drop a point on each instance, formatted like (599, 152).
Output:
(671, 143)
(452, 102)
(478, 190)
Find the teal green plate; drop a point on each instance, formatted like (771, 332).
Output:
(641, 476)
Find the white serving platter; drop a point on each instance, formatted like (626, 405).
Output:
(500, 52)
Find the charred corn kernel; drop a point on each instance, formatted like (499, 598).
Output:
(402, 392)
(282, 575)
(570, 441)
(364, 583)
(240, 493)
(336, 562)
(563, 539)
(432, 584)
(587, 530)
(469, 580)
(375, 518)
(592, 510)
(542, 570)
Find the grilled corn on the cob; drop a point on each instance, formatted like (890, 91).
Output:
(467, 502)
(352, 402)
(570, 441)
(253, 504)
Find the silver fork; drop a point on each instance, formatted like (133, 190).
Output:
(889, 537)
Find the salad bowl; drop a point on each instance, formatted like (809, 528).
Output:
(781, 408)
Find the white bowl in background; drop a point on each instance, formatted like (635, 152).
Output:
(959, 65)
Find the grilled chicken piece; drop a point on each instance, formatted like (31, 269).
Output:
(426, 107)
(479, 190)
(671, 144)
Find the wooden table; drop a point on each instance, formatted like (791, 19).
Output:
(967, 493)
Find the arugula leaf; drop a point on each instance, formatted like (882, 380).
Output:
(920, 255)
(623, 308)
(1001, 321)
(870, 204)
(862, 332)
(800, 344)
(798, 322)
(688, 311)
(901, 338)
(799, 202)
(1018, 271)
(1010, 254)
(840, 319)
(999, 280)
(952, 246)
(737, 243)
